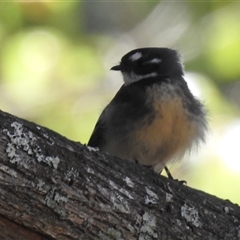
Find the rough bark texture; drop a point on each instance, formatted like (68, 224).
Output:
(53, 188)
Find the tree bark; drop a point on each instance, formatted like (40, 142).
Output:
(54, 188)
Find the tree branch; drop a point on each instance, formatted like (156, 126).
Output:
(53, 188)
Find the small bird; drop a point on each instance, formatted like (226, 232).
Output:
(154, 118)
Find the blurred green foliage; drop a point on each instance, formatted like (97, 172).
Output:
(55, 57)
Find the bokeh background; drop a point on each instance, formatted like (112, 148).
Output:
(55, 59)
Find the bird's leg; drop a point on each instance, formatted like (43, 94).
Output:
(136, 161)
(168, 173)
(171, 177)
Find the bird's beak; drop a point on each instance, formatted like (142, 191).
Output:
(116, 68)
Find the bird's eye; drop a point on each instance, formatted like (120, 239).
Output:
(141, 63)
(146, 67)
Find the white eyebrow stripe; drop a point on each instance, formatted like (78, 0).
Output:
(155, 60)
(135, 56)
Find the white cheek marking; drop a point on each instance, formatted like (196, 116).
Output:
(135, 56)
(131, 78)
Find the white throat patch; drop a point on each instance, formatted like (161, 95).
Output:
(131, 77)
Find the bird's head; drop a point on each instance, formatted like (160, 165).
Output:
(145, 63)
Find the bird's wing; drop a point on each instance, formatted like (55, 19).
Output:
(127, 105)
(117, 112)
(97, 138)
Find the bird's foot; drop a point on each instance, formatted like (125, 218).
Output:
(171, 177)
